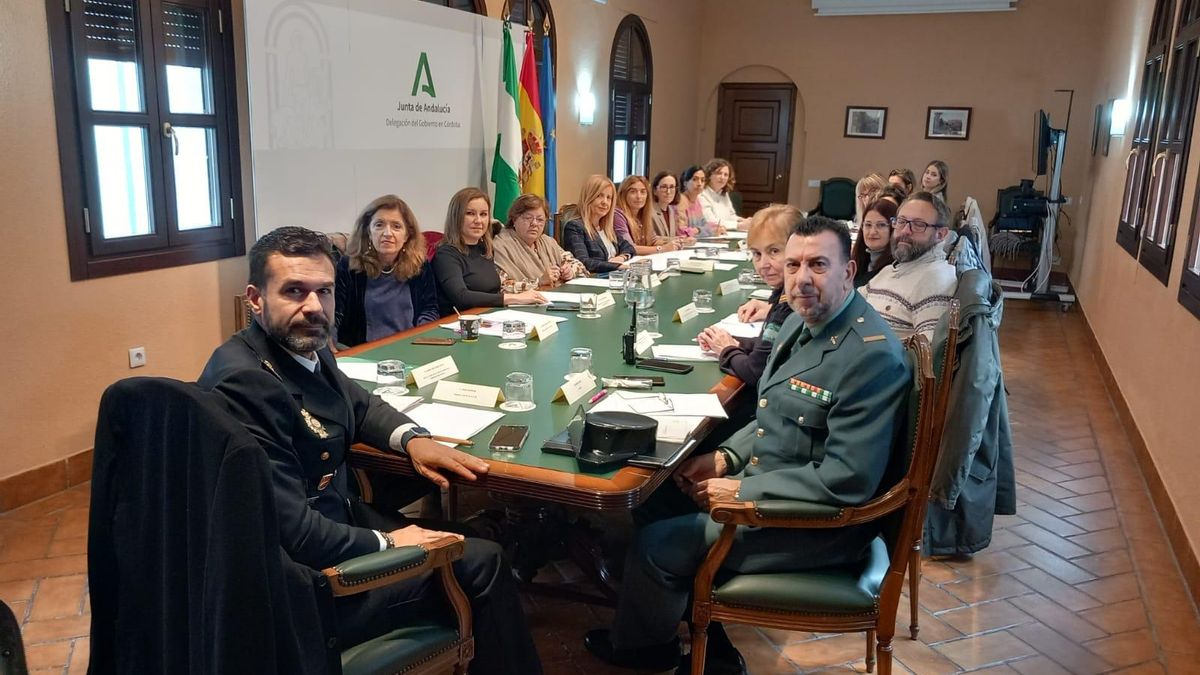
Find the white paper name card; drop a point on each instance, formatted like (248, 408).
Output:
(576, 387)
(605, 299)
(544, 329)
(727, 287)
(655, 281)
(686, 313)
(433, 371)
(696, 266)
(469, 394)
(643, 342)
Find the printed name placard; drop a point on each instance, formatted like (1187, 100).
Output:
(696, 266)
(727, 287)
(605, 299)
(433, 371)
(576, 387)
(686, 313)
(469, 394)
(544, 329)
(643, 342)
(655, 281)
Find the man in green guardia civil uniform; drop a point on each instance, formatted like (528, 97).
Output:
(830, 407)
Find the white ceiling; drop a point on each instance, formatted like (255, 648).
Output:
(865, 7)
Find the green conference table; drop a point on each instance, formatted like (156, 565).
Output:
(531, 472)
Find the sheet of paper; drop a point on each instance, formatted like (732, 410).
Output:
(665, 405)
(492, 323)
(559, 296)
(724, 267)
(642, 343)
(696, 266)
(682, 353)
(402, 403)
(594, 283)
(736, 328)
(733, 256)
(658, 261)
(442, 419)
(357, 369)
(467, 394)
(675, 429)
(762, 294)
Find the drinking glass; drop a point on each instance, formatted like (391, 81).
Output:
(616, 281)
(647, 320)
(712, 252)
(518, 393)
(746, 278)
(703, 299)
(581, 360)
(672, 267)
(512, 334)
(587, 306)
(391, 377)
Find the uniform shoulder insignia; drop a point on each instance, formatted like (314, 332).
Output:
(874, 338)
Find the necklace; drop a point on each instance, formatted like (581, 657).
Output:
(389, 270)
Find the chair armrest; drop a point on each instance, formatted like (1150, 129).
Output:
(384, 568)
(793, 513)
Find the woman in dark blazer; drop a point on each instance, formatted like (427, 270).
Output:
(383, 285)
(873, 248)
(590, 236)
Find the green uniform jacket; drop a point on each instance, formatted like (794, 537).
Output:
(828, 413)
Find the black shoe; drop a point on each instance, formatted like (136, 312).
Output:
(655, 657)
(725, 662)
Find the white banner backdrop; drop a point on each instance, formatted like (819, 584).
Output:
(355, 99)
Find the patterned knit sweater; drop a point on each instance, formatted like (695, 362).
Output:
(912, 296)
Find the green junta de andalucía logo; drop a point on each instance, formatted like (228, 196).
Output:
(423, 73)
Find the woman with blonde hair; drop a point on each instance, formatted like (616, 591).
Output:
(523, 251)
(466, 275)
(715, 199)
(936, 180)
(590, 236)
(869, 190)
(634, 220)
(383, 285)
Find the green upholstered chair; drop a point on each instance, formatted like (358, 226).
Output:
(845, 599)
(185, 566)
(12, 649)
(837, 199)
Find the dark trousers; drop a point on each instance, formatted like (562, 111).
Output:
(503, 641)
(674, 535)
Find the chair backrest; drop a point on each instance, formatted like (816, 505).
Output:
(432, 239)
(241, 313)
(12, 650)
(565, 213)
(185, 566)
(837, 198)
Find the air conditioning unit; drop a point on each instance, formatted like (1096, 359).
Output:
(868, 7)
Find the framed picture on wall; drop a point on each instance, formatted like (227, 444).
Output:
(953, 124)
(1096, 128)
(865, 122)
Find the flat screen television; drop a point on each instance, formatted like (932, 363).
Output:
(1041, 142)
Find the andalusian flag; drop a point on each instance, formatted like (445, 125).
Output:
(533, 144)
(507, 161)
(548, 121)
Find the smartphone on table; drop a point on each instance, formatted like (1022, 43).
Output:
(509, 438)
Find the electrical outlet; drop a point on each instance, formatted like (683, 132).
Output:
(137, 357)
(1067, 201)
(814, 183)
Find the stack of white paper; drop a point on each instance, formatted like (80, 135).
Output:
(357, 369)
(762, 294)
(587, 281)
(736, 328)
(452, 420)
(682, 353)
(556, 296)
(402, 403)
(734, 256)
(664, 405)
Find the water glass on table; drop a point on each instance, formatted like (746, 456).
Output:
(647, 321)
(616, 281)
(702, 298)
(391, 378)
(587, 306)
(746, 278)
(581, 360)
(512, 334)
(518, 393)
(672, 267)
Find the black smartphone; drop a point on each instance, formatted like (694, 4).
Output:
(509, 438)
(665, 366)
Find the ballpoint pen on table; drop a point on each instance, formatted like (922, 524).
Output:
(598, 397)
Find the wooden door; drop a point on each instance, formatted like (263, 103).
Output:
(754, 132)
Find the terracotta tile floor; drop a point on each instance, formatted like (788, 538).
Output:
(1082, 580)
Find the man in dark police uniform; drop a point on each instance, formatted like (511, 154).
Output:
(281, 382)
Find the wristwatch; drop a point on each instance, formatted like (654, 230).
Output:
(413, 432)
(387, 538)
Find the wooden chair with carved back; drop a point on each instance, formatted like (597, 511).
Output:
(863, 597)
(565, 213)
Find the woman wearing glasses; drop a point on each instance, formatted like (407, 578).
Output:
(523, 252)
(872, 250)
(869, 190)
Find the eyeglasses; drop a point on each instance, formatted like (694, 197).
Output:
(530, 219)
(917, 226)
